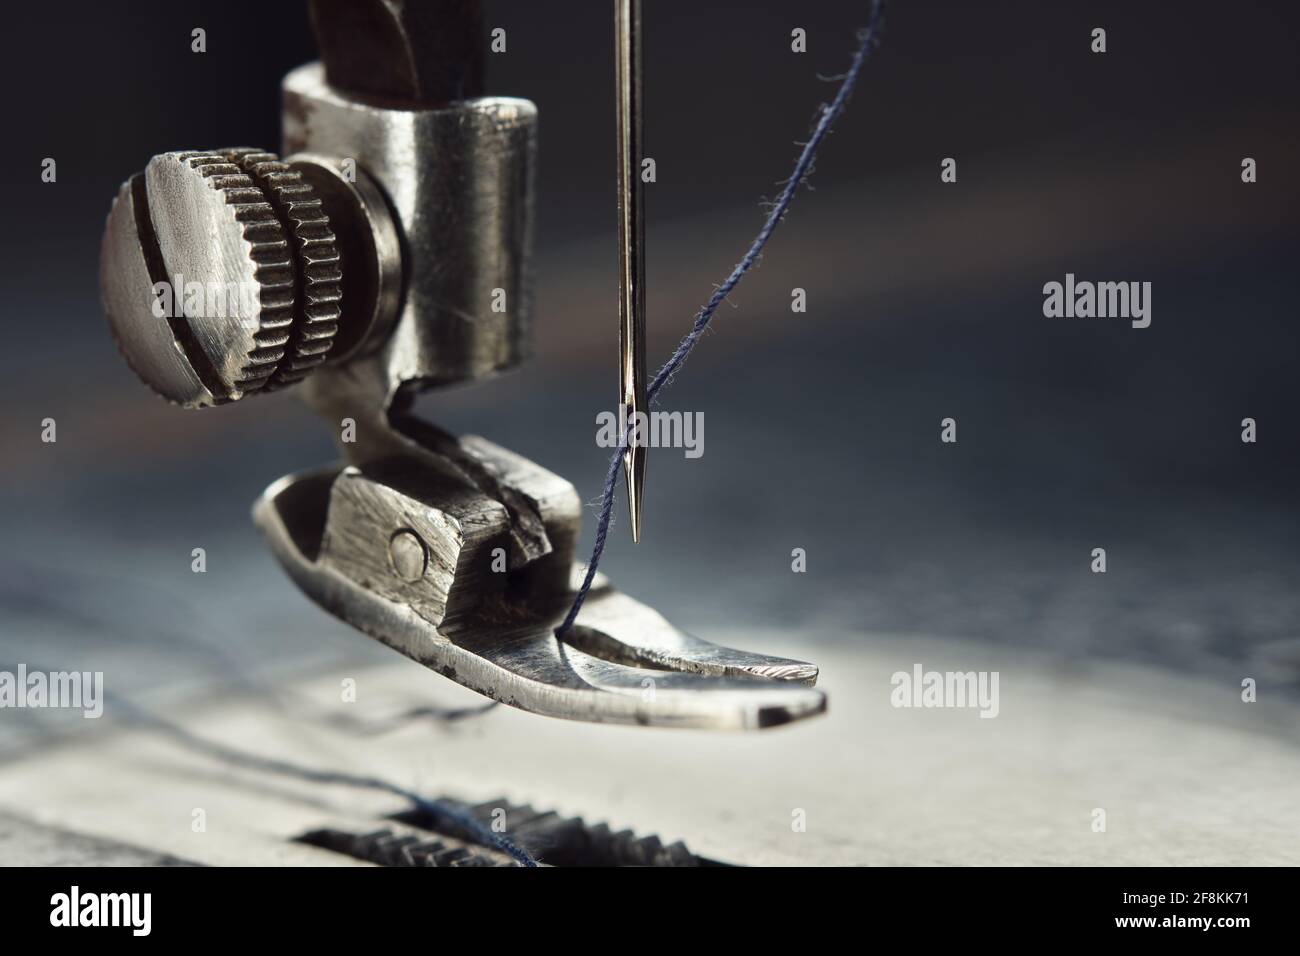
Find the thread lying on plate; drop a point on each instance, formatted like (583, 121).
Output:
(463, 823)
(867, 40)
(458, 821)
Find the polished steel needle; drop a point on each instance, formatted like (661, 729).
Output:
(631, 248)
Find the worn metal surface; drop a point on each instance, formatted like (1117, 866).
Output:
(489, 625)
(459, 181)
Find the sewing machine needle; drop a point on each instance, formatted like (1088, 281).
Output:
(631, 248)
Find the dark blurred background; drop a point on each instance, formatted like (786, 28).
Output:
(822, 429)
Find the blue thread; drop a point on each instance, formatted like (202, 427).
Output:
(801, 169)
(241, 758)
(435, 808)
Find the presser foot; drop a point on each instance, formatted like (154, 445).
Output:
(423, 564)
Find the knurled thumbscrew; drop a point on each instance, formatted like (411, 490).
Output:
(221, 272)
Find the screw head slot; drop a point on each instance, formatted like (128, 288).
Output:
(220, 275)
